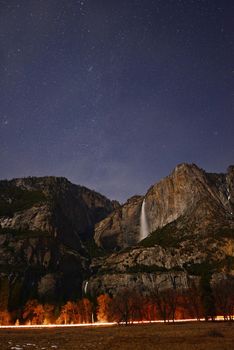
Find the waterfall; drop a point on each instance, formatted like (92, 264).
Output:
(144, 229)
(229, 197)
(85, 287)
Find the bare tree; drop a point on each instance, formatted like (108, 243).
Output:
(159, 298)
(224, 297)
(166, 300)
(124, 306)
(172, 296)
(193, 302)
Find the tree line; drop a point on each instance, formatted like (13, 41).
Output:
(199, 300)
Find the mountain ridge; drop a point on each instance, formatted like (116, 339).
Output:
(47, 233)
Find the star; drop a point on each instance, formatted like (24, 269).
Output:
(117, 83)
(5, 122)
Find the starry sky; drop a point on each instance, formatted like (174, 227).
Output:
(114, 94)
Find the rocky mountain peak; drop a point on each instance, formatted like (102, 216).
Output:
(188, 193)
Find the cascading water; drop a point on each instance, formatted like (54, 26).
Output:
(85, 287)
(144, 229)
(229, 197)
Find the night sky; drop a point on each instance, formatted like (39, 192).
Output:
(113, 94)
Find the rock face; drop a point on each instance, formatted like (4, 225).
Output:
(190, 215)
(201, 200)
(144, 282)
(120, 229)
(45, 226)
(144, 267)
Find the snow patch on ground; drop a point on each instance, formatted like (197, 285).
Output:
(24, 346)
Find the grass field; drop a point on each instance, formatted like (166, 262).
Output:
(180, 336)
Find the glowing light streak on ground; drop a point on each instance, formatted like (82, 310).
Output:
(101, 324)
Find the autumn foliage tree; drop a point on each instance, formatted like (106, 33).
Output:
(69, 313)
(5, 318)
(49, 310)
(85, 311)
(104, 310)
(33, 312)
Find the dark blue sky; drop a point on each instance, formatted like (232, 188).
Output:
(114, 94)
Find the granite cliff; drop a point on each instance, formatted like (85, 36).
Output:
(188, 196)
(190, 216)
(46, 228)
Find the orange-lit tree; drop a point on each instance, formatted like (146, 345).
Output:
(104, 312)
(85, 311)
(49, 314)
(69, 313)
(33, 312)
(5, 318)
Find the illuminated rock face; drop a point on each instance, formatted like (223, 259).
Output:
(188, 196)
(190, 217)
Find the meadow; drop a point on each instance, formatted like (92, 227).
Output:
(178, 336)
